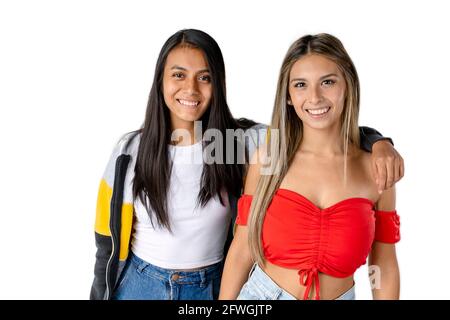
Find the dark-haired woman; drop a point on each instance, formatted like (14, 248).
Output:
(169, 193)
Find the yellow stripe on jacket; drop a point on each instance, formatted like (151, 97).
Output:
(103, 216)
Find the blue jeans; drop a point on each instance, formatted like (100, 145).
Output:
(141, 280)
(260, 286)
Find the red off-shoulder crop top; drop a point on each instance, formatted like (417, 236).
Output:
(336, 240)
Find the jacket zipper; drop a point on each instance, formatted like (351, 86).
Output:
(112, 221)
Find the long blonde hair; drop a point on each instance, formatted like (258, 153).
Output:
(283, 146)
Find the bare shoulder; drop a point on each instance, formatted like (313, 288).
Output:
(364, 158)
(363, 175)
(385, 201)
(363, 161)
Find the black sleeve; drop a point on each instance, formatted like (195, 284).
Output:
(369, 136)
(104, 248)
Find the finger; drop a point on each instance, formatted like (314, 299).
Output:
(402, 167)
(381, 168)
(396, 169)
(375, 172)
(390, 169)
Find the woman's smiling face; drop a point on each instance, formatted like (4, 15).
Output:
(317, 91)
(187, 85)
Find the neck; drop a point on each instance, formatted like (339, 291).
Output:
(322, 142)
(183, 133)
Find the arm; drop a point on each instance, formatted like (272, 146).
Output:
(103, 240)
(237, 265)
(104, 248)
(387, 164)
(239, 259)
(383, 259)
(370, 136)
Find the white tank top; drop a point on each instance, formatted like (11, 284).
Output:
(198, 234)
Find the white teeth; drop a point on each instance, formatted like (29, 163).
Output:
(188, 103)
(318, 111)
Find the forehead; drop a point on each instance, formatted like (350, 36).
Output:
(186, 57)
(313, 65)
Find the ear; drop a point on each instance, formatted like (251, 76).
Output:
(289, 101)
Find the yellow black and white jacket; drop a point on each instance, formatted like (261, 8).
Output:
(115, 212)
(114, 216)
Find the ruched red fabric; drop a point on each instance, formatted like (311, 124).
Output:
(335, 240)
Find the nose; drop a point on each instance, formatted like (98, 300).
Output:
(315, 95)
(191, 86)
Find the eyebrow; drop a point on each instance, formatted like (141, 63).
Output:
(321, 78)
(176, 67)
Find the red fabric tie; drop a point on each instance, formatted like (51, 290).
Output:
(307, 277)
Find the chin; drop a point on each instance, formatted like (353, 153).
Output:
(187, 119)
(319, 126)
(190, 117)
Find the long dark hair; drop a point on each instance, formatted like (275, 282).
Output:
(153, 167)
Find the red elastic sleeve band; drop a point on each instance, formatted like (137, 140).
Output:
(387, 226)
(243, 207)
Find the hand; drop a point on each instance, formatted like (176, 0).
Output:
(387, 165)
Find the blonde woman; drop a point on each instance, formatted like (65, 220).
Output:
(307, 224)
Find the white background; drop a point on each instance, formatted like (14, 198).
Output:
(75, 75)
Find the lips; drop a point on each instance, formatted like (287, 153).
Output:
(188, 103)
(318, 112)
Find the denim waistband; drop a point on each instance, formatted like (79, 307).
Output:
(201, 275)
(259, 278)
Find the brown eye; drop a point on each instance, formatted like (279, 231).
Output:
(178, 75)
(328, 82)
(205, 78)
(300, 85)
